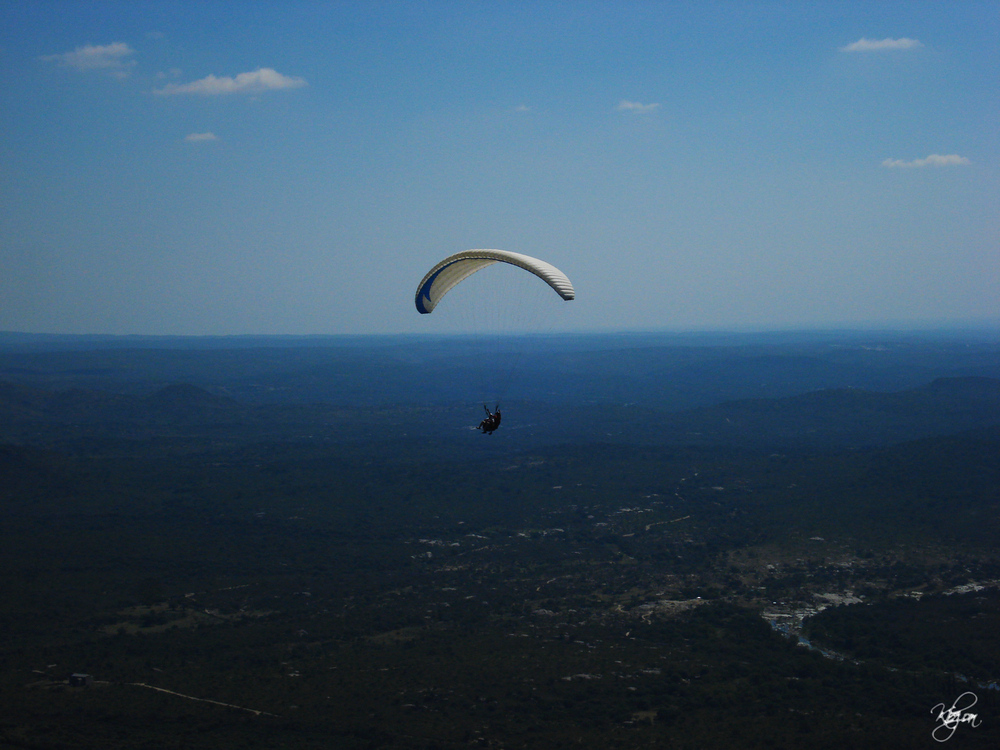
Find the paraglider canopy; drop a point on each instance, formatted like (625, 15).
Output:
(455, 268)
(500, 313)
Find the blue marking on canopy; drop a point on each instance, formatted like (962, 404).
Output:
(425, 290)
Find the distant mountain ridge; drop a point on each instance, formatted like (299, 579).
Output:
(830, 419)
(84, 410)
(664, 372)
(187, 397)
(842, 417)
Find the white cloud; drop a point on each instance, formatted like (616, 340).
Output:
(934, 160)
(262, 79)
(522, 108)
(626, 106)
(201, 137)
(881, 45)
(114, 58)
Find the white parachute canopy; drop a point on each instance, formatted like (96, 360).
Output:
(501, 314)
(455, 268)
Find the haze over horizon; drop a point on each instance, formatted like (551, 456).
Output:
(183, 168)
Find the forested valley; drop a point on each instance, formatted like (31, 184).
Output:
(677, 541)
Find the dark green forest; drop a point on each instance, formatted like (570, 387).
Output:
(769, 541)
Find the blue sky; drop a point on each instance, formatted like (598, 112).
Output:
(295, 167)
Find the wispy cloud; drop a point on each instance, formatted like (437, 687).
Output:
(522, 108)
(201, 137)
(255, 82)
(114, 58)
(881, 45)
(934, 160)
(638, 107)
